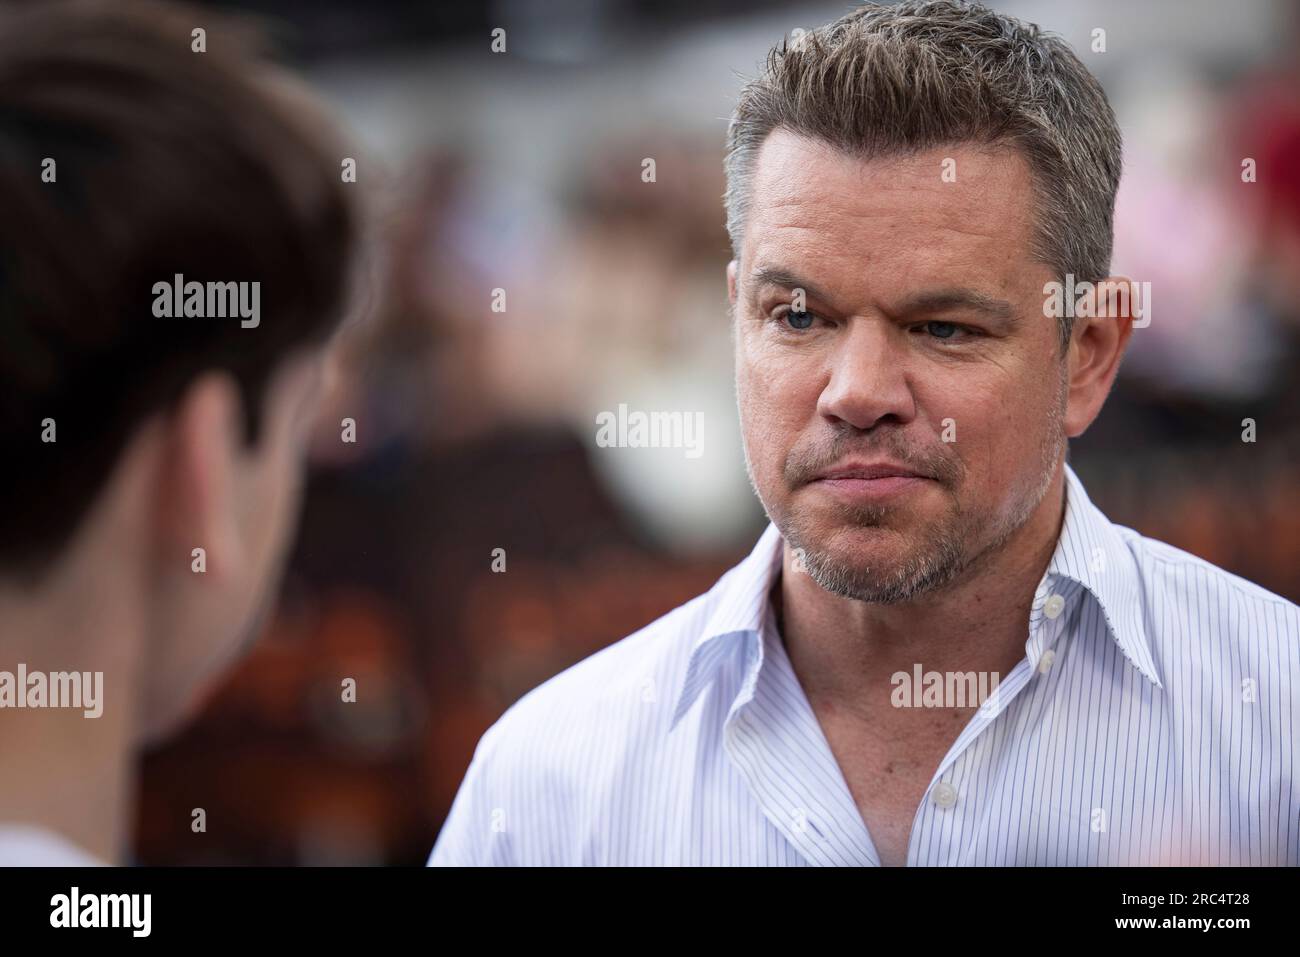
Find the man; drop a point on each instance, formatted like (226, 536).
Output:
(153, 426)
(904, 186)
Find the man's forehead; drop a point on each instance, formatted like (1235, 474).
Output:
(797, 175)
(814, 208)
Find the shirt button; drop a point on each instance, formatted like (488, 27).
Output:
(1054, 606)
(945, 795)
(1045, 662)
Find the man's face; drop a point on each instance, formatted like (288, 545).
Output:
(923, 349)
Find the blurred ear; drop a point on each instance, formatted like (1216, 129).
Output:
(197, 484)
(1097, 343)
(731, 282)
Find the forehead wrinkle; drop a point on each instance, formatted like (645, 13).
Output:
(903, 231)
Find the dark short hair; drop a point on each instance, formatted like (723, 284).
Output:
(888, 80)
(167, 161)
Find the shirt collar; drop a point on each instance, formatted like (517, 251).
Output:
(739, 610)
(1090, 551)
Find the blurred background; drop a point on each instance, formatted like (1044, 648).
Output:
(476, 424)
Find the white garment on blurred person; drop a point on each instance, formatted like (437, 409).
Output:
(24, 845)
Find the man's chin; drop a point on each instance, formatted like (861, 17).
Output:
(875, 563)
(861, 552)
(854, 543)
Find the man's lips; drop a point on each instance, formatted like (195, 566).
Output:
(868, 481)
(868, 471)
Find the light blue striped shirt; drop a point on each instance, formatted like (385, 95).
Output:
(1153, 720)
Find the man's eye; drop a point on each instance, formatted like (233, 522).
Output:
(941, 330)
(799, 320)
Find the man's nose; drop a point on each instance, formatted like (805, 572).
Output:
(868, 377)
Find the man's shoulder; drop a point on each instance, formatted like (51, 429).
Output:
(1181, 587)
(615, 700)
(545, 772)
(637, 666)
(635, 679)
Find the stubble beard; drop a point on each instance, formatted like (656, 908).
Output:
(944, 551)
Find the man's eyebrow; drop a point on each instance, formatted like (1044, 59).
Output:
(936, 300)
(776, 276)
(942, 299)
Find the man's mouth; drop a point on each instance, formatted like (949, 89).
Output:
(869, 480)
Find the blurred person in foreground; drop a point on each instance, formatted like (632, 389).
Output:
(940, 652)
(137, 430)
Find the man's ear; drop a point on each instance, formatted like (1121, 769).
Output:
(198, 481)
(1097, 343)
(731, 282)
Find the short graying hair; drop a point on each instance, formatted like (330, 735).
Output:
(893, 80)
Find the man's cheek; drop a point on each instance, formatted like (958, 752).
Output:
(987, 451)
(778, 413)
(766, 435)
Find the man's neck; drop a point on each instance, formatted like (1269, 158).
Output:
(845, 651)
(61, 770)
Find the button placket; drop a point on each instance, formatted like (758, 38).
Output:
(1047, 622)
(944, 795)
(1053, 606)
